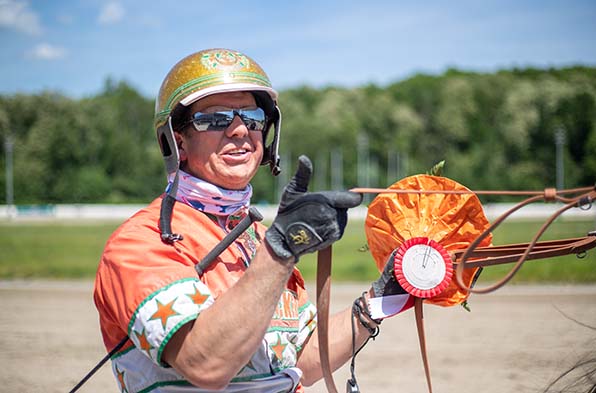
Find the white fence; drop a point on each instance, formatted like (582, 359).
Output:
(122, 212)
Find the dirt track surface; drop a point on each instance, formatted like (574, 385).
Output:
(514, 340)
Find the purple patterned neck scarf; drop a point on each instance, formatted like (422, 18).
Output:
(210, 198)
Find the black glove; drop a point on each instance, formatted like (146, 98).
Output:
(387, 284)
(308, 222)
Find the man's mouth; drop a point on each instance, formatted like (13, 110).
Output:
(237, 152)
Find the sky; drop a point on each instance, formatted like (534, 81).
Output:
(74, 46)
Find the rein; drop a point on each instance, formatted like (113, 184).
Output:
(324, 258)
(472, 256)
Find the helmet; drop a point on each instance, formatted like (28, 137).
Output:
(209, 72)
(197, 76)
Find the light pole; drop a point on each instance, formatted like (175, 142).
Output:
(8, 149)
(560, 162)
(337, 169)
(363, 163)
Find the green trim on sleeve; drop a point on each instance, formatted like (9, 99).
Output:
(164, 383)
(304, 306)
(169, 336)
(124, 352)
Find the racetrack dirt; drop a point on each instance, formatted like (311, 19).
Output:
(517, 339)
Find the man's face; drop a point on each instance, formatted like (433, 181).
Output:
(228, 159)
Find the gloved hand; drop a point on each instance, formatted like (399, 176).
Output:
(387, 284)
(388, 297)
(308, 222)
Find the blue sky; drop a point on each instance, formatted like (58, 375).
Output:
(72, 46)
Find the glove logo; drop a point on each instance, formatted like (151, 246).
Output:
(300, 237)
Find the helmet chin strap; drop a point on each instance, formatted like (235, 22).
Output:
(273, 149)
(271, 152)
(169, 149)
(165, 213)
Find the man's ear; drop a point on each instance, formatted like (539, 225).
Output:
(180, 142)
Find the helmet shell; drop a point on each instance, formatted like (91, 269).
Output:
(208, 72)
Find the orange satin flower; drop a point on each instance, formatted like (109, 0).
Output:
(453, 220)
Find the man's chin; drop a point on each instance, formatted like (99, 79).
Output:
(237, 179)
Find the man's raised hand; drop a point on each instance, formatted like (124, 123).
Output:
(308, 222)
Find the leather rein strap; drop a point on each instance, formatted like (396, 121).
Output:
(323, 296)
(478, 256)
(497, 255)
(517, 253)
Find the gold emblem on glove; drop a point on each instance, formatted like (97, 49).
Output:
(301, 237)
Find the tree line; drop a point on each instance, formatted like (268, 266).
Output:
(494, 130)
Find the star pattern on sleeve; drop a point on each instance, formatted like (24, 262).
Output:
(312, 319)
(278, 348)
(121, 380)
(250, 365)
(197, 297)
(164, 311)
(143, 342)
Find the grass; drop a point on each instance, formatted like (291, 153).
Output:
(65, 250)
(52, 250)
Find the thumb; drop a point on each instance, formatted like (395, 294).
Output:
(299, 183)
(343, 199)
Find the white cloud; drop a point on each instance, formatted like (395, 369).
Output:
(45, 51)
(111, 12)
(16, 15)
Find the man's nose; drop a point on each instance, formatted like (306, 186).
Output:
(237, 128)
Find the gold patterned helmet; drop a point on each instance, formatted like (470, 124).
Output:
(209, 72)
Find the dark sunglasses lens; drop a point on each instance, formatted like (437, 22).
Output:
(254, 120)
(217, 121)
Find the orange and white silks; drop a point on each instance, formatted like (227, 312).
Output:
(146, 289)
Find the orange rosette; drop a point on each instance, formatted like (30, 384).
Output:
(452, 220)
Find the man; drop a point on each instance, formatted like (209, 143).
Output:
(245, 323)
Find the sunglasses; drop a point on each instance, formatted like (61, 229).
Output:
(253, 119)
